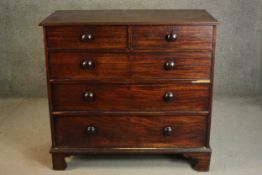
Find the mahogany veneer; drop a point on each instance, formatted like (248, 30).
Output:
(131, 132)
(187, 97)
(129, 82)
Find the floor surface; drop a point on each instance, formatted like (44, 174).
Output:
(236, 140)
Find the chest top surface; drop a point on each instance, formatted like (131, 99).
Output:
(129, 17)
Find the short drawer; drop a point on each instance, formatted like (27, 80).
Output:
(68, 65)
(87, 37)
(170, 97)
(171, 66)
(172, 37)
(131, 131)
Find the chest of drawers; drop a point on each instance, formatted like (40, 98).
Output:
(129, 82)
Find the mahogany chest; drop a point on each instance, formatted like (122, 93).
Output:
(129, 82)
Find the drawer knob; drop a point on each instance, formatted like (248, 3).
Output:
(168, 130)
(169, 96)
(169, 65)
(89, 96)
(91, 130)
(86, 37)
(87, 64)
(171, 37)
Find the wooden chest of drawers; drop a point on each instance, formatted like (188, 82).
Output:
(130, 81)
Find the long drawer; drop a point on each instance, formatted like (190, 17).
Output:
(97, 66)
(133, 131)
(168, 97)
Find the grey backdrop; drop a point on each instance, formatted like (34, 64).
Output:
(238, 69)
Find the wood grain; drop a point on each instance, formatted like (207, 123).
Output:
(188, 37)
(201, 161)
(67, 65)
(127, 113)
(189, 131)
(58, 161)
(189, 65)
(188, 97)
(129, 17)
(64, 65)
(68, 37)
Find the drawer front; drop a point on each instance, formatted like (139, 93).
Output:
(133, 131)
(88, 66)
(87, 37)
(140, 66)
(172, 37)
(173, 97)
(171, 66)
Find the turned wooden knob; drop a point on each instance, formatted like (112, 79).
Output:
(169, 96)
(90, 129)
(87, 64)
(168, 130)
(86, 37)
(171, 37)
(89, 96)
(169, 65)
